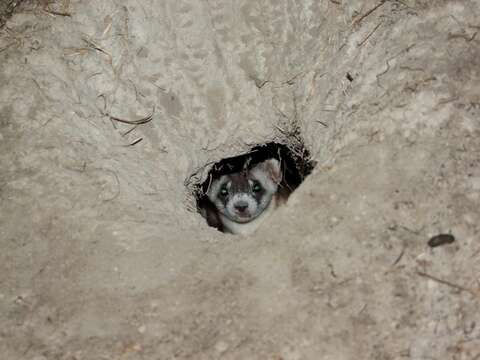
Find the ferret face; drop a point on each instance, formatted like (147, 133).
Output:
(243, 196)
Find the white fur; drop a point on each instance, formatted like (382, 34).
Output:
(215, 186)
(251, 226)
(268, 173)
(252, 204)
(262, 175)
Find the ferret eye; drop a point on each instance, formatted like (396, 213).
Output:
(224, 191)
(256, 187)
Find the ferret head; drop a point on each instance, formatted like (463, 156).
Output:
(243, 196)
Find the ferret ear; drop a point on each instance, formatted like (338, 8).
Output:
(273, 169)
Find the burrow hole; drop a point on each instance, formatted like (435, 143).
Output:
(294, 164)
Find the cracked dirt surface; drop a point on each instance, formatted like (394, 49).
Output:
(102, 253)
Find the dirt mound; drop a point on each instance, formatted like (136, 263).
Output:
(112, 113)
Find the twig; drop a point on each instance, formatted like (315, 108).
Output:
(357, 21)
(368, 36)
(445, 282)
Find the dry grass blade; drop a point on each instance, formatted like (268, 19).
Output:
(369, 35)
(94, 46)
(57, 13)
(322, 123)
(54, 12)
(141, 121)
(357, 21)
(448, 283)
(134, 142)
(129, 130)
(8, 45)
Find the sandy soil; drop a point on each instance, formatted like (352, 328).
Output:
(103, 255)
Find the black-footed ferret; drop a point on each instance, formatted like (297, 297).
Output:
(243, 200)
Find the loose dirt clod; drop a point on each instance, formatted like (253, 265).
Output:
(441, 239)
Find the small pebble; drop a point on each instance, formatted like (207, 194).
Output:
(221, 346)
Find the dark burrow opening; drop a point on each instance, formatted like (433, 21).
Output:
(252, 182)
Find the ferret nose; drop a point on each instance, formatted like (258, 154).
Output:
(241, 206)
